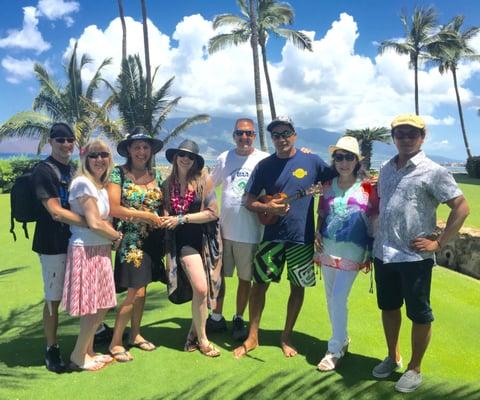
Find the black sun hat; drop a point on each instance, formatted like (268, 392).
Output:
(138, 133)
(188, 146)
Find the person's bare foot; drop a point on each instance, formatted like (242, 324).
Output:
(287, 348)
(247, 346)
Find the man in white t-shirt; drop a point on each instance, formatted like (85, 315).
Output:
(241, 230)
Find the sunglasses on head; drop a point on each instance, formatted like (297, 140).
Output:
(240, 133)
(413, 134)
(185, 154)
(63, 140)
(282, 135)
(95, 154)
(339, 157)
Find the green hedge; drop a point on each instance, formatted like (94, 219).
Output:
(12, 168)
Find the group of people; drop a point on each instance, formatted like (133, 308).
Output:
(159, 232)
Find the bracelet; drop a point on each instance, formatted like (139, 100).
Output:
(180, 219)
(187, 220)
(439, 244)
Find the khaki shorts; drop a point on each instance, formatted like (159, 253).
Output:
(241, 255)
(53, 272)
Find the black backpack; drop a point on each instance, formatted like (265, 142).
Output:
(24, 205)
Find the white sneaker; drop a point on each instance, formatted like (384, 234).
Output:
(409, 381)
(386, 367)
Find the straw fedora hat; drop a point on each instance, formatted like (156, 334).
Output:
(347, 143)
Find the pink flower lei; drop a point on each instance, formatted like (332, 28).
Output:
(180, 204)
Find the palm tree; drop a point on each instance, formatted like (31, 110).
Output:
(124, 29)
(366, 137)
(147, 50)
(419, 40)
(453, 48)
(272, 19)
(135, 108)
(72, 103)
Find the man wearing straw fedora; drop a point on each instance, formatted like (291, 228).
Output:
(410, 188)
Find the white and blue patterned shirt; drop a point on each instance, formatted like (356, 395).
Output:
(409, 198)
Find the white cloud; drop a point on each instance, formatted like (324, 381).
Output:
(332, 87)
(18, 70)
(58, 9)
(29, 37)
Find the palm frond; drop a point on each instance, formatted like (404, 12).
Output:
(228, 20)
(96, 79)
(224, 40)
(185, 124)
(298, 38)
(26, 124)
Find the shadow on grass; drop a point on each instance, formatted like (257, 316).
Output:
(298, 385)
(9, 271)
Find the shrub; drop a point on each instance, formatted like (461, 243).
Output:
(12, 168)
(473, 167)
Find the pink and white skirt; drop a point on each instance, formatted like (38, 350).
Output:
(89, 284)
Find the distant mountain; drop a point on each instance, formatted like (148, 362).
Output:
(216, 137)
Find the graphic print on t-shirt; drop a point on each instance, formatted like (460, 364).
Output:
(239, 178)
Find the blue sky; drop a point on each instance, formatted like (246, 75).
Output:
(342, 84)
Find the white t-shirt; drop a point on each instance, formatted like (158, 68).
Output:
(82, 186)
(232, 171)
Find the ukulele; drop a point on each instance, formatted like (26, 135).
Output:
(266, 218)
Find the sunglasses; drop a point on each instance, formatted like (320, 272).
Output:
(406, 134)
(185, 154)
(282, 135)
(240, 133)
(95, 154)
(63, 140)
(338, 157)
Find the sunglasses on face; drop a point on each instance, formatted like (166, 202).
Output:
(339, 157)
(95, 154)
(406, 134)
(282, 135)
(240, 133)
(63, 140)
(185, 154)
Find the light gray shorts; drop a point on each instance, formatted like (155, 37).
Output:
(53, 272)
(241, 255)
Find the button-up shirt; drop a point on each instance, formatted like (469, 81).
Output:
(409, 197)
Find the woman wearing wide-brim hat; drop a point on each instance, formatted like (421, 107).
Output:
(136, 200)
(191, 202)
(346, 213)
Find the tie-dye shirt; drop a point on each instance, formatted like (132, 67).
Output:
(347, 219)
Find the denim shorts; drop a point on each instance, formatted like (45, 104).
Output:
(409, 281)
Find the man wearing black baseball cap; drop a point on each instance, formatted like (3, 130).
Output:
(50, 180)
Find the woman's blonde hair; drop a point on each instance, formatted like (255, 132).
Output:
(84, 170)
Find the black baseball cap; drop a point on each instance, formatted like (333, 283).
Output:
(61, 130)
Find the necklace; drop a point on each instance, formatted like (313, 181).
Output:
(179, 203)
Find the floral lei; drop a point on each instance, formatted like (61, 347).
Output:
(180, 204)
(139, 199)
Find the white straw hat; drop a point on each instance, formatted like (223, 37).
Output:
(347, 143)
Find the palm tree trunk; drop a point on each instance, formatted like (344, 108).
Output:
(124, 29)
(273, 113)
(460, 113)
(366, 150)
(256, 76)
(415, 69)
(147, 54)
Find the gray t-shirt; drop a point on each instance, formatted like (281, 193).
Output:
(409, 198)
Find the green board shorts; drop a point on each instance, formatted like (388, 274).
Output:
(270, 259)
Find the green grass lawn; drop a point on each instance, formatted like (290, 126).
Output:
(450, 366)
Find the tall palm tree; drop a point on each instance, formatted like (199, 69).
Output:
(73, 103)
(419, 40)
(135, 108)
(147, 50)
(366, 137)
(124, 29)
(273, 17)
(455, 46)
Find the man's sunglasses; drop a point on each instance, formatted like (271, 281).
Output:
(185, 154)
(282, 135)
(63, 140)
(406, 134)
(95, 154)
(240, 133)
(338, 157)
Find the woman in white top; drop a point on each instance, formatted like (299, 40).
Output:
(89, 289)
